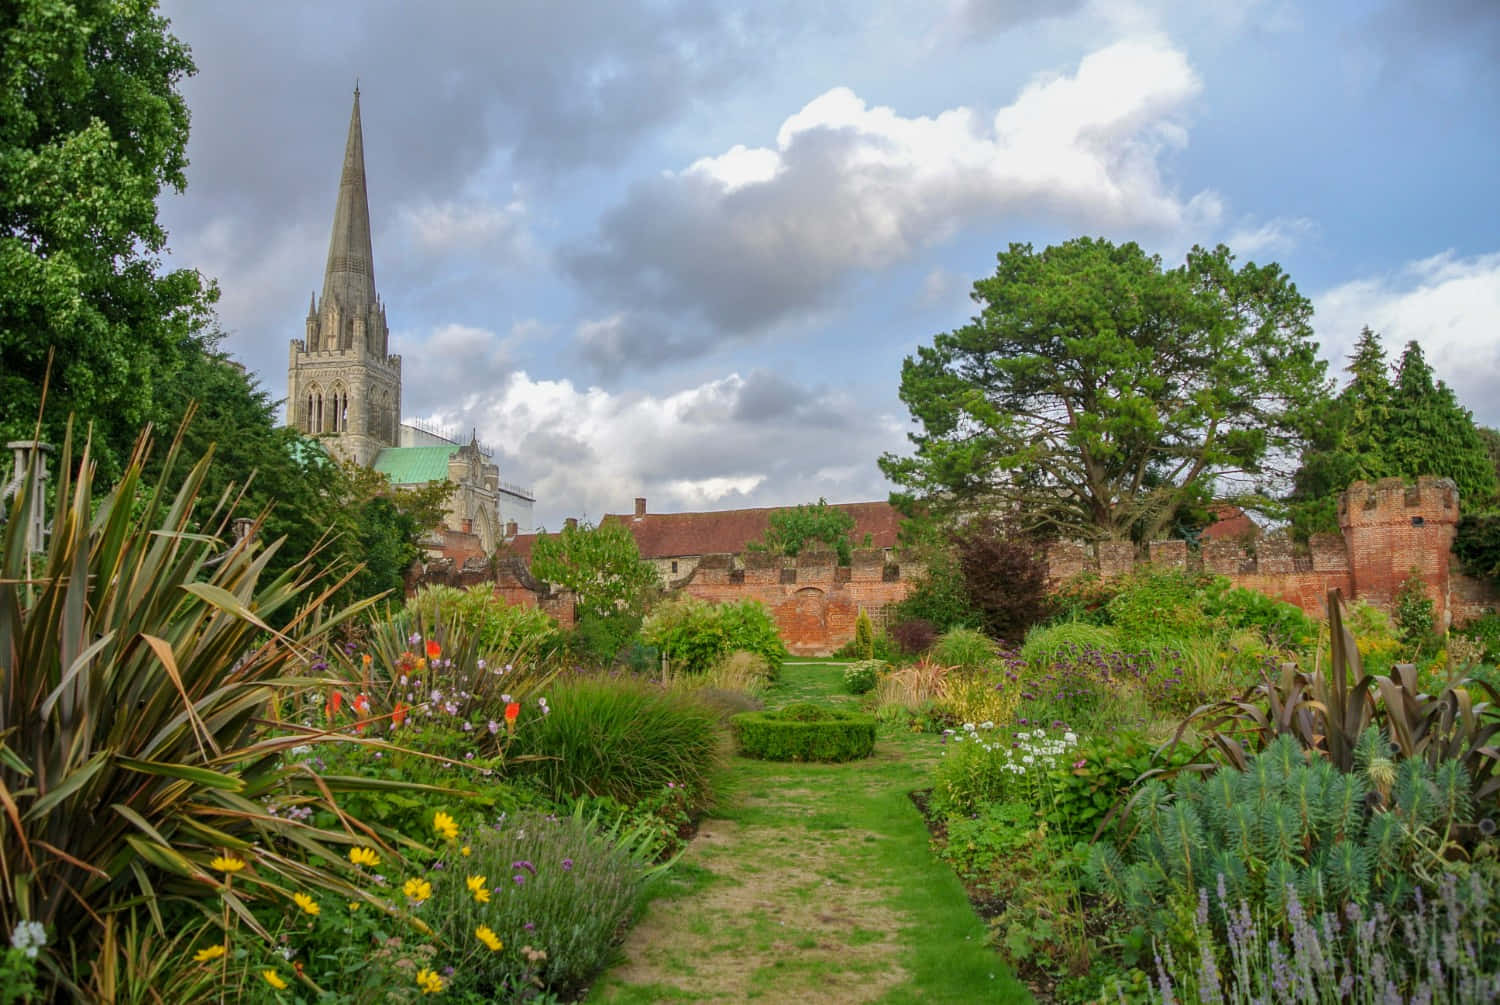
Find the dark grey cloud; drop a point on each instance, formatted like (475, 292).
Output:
(634, 340)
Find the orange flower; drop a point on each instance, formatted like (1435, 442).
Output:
(362, 703)
(398, 714)
(511, 711)
(335, 702)
(433, 649)
(366, 659)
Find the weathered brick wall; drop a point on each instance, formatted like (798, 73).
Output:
(1389, 529)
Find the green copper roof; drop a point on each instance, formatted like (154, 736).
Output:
(414, 465)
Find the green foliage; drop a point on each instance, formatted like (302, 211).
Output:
(140, 670)
(92, 128)
(602, 566)
(864, 636)
(805, 732)
(789, 531)
(860, 677)
(1238, 607)
(938, 594)
(1379, 428)
(694, 635)
(1413, 613)
(1101, 396)
(1477, 544)
(964, 649)
(503, 633)
(620, 738)
(1486, 631)
(1098, 777)
(1152, 606)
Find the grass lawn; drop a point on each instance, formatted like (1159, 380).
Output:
(814, 883)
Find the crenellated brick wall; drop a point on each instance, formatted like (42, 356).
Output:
(1388, 529)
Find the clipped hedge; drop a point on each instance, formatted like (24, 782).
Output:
(805, 732)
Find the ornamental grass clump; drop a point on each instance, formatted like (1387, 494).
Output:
(623, 738)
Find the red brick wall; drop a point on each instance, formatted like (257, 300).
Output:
(815, 601)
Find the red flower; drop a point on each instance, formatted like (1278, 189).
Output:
(511, 711)
(362, 703)
(398, 714)
(335, 702)
(433, 649)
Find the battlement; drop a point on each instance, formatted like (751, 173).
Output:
(1395, 501)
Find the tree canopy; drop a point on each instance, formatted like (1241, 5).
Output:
(1097, 394)
(92, 127)
(1379, 427)
(788, 531)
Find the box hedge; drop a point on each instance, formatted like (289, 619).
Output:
(805, 732)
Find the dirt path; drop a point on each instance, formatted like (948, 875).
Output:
(813, 884)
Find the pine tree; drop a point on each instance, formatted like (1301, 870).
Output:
(1430, 433)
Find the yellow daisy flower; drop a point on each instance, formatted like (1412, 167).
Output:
(364, 856)
(487, 935)
(475, 883)
(272, 978)
(482, 896)
(228, 864)
(429, 981)
(465, 851)
(445, 826)
(417, 889)
(208, 953)
(305, 902)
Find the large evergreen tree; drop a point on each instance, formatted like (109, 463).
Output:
(1097, 394)
(1380, 428)
(92, 127)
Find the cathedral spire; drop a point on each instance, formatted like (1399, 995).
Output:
(349, 279)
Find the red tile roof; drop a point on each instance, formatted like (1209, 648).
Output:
(673, 535)
(1230, 521)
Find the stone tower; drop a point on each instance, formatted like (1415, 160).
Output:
(342, 382)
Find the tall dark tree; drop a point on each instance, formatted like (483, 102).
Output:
(1380, 428)
(1097, 394)
(92, 127)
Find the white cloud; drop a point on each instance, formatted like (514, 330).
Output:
(720, 444)
(849, 186)
(443, 228)
(1278, 235)
(1449, 304)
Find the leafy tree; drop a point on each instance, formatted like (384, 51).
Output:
(1380, 428)
(791, 530)
(605, 572)
(1099, 395)
(91, 128)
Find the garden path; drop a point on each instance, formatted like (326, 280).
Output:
(813, 883)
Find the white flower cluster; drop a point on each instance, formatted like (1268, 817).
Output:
(28, 937)
(1030, 750)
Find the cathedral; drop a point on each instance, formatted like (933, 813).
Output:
(344, 385)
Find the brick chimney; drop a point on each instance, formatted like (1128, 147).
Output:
(571, 523)
(640, 507)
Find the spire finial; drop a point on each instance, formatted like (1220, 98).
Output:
(356, 88)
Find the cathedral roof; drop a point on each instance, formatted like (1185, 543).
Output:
(349, 278)
(414, 465)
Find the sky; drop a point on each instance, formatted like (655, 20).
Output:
(679, 250)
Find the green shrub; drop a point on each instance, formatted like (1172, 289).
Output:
(860, 678)
(694, 635)
(554, 885)
(1277, 621)
(1097, 776)
(983, 764)
(504, 633)
(805, 732)
(1154, 606)
(938, 596)
(964, 649)
(619, 737)
(864, 636)
(1485, 630)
